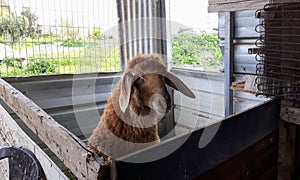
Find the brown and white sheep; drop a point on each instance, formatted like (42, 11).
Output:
(129, 120)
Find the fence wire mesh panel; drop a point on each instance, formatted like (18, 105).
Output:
(40, 37)
(196, 50)
(279, 57)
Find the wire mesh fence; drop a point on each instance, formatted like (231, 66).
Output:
(196, 50)
(194, 34)
(40, 37)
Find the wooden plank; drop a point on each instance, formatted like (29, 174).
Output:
(286, 151)
(285, 1)
(290, 114)
(13, 135)
(68, 148)
(4, 168)
(236, 5)
(225, 1)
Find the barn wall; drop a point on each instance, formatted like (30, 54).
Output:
(77, 101)
(245, 37)
(70, 99)
(209, 105)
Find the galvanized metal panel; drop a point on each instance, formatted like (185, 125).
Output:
(245, 23)
(189, 161)
(54, 95)
(142, 27)
(245, 37)
(208, 106)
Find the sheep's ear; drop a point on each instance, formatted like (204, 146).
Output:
(125, 91)
(175, 83)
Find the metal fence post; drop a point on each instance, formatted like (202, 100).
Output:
(228, 62)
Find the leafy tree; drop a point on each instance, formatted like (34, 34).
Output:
(201, 50)
(32, 29)
(14, 27)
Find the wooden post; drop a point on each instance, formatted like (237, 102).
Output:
(290, 118)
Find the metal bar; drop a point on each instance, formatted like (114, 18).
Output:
(162, 49)
(121, 30)
(228, 62)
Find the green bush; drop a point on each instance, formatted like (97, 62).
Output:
(200, 50)
(12, 62)
(42, 67)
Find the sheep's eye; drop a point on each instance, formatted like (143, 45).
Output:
(140, 80)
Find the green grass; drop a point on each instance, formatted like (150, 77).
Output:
(87, 60)
(85, 57)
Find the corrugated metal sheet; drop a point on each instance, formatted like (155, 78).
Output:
(141, 27)
(245, 37)
(208, 106)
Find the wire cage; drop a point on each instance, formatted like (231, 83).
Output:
(279, 56)
(58, 37)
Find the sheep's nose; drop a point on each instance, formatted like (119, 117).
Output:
(159, 104)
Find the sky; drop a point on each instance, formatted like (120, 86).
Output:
(86, 13)
(193, 13)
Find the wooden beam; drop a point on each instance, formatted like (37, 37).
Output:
(286, 150)
(68, 148)
(13, 135)
(235, 5)
(290, 114)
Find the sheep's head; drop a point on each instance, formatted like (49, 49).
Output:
(143, 84)
(149, 92)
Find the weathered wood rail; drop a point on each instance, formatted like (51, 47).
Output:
(235, 5)
(240, 5)
(68, 148)
(11, 134)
